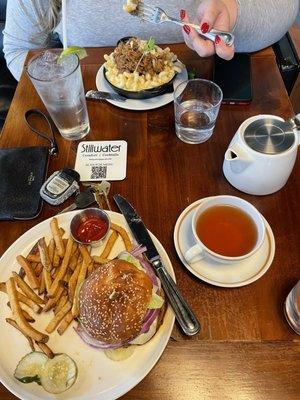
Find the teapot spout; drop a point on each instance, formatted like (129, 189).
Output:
(238, 158)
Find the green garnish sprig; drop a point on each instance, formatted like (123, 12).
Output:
(150, 45)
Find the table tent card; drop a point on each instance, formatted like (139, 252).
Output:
(101, 160)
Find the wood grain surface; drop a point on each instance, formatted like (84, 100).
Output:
(245, 350)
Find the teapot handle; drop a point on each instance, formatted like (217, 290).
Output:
(295, 122)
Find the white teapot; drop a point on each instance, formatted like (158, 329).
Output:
(261, 155)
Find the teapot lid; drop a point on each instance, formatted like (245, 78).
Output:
(269, 135)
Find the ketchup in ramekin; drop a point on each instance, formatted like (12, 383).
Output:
(93, 229)
(90, 226)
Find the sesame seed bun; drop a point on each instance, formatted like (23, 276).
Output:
(113, 302)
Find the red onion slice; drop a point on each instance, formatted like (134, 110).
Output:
(153, 314)
(94, 342)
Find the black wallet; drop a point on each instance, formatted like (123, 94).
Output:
(22, 173)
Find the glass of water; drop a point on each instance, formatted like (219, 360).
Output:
(292, 308)
(197, 103)
(59, 84)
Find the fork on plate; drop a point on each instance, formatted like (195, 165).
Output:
(157, 16)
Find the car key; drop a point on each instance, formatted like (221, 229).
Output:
(82, 200)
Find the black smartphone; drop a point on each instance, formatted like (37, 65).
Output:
(234, 78)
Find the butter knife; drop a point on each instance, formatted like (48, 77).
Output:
(184, 315)
(99, 95)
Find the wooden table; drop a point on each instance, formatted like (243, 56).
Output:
(245, 350)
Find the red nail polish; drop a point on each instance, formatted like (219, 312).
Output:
(217, 39)
(204, 27)
(186, 29)
(182, 14)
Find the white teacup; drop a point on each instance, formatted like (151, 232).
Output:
(199, 250)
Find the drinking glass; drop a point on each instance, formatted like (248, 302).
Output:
(292, 308)
(197, 103)
(59, 84)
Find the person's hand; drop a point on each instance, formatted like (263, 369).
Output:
(211, 14)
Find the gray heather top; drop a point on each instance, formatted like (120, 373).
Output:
(92, 23)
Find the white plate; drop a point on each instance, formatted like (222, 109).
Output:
(215, 273)
(98, 377)
(140, 105)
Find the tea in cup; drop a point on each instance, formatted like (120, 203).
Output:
(227, 229)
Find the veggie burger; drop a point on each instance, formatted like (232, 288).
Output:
(121, 303)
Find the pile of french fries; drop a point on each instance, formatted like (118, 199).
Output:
(49, 279)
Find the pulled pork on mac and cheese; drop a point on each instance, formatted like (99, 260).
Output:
(133, 67)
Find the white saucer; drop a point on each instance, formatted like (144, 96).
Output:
(140, 105)
(218, 274)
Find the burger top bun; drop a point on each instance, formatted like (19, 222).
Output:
(113, 302)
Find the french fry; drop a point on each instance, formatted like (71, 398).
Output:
(73, 261)
(74, 248)
(33, 258)
(73, 280)
(44, 254)
(22, 299)
(85, 254)
(62, 269)
(32, 279)
(13, 323)
(42, 285)
(88, 259)
(57, 237)
(100, 260)
(27, 316)
(81, 278)
(90, 268)
(38, 269)
(58, 317)
(45, 349)
(109, 244)
(62, 301)
(65, 323)
(34, 251)
(54, 300)
(22, 273)
(56, 259)
(18, 315)
(26, 289)
(51, 247)
(124, 236)
(47, 279)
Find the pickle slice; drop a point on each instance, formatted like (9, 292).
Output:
(30, 367)
(58, 374)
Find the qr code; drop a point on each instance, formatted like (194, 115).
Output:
(99, 172)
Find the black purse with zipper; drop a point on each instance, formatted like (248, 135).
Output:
(22, 172)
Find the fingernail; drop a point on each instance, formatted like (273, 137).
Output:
(182, 14)
(204, 27)
(186, 29)
(217, 39)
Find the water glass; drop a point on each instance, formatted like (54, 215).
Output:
(59, 84)
(292, 308)
(197, 103)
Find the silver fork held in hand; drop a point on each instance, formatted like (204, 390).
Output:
(157, 16)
